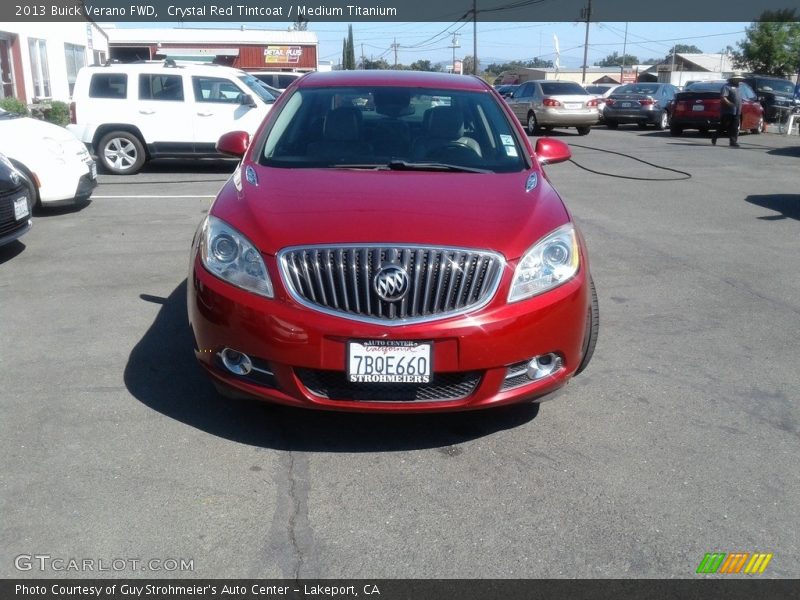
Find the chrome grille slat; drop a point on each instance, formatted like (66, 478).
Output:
(340, 279)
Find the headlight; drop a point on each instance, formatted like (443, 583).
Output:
(231, 257)
(551, 262)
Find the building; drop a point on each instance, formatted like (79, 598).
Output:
(40, 61)
(593, 75)
(241, 48)
(680, 68)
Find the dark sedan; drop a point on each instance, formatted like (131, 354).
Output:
(776, 95)
(641, 103)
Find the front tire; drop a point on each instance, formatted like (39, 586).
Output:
(760, 127)
(611, 124)
(663, 121)
(583, 130)
(121, 153)
(592, 329)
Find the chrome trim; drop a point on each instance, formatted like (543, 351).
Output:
(343, 276)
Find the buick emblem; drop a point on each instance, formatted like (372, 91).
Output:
(14, 178)
(391, 283)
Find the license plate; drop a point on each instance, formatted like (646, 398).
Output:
(381, 361)
(21, 208)
(572, 105)
(698, 108)
(625, 105)
(93, 170)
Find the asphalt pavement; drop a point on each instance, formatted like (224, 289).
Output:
(681, 437)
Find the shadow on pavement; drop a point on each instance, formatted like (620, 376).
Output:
(793, 151)
(163, 374)
(10, 250)
(786, 205)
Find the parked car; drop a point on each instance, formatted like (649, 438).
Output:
(279, 80)
(548, 104)
(776, 95)
(507, 89)
(308, 287)
(601, 91)
(15, 204)
(129, 113)
(56, 166)
(698, 107)
(641, 103)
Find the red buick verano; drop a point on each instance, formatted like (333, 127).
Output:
(389, 242)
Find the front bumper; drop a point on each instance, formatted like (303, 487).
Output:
(301, 352)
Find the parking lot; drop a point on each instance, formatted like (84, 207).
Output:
(681, 438)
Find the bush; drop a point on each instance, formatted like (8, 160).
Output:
(58, 113)
(13, 105)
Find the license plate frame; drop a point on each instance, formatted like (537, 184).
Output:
(389, 361)
(21, 209)
(573, 105)
(698, 108)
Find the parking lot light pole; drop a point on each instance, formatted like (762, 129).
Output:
(588, 12)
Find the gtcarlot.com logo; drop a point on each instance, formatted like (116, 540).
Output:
(46, 562)
(734, 562)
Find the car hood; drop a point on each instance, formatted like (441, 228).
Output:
(296, 207)
(23, 137)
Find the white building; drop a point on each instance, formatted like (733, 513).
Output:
(685, 67)
(39, 61)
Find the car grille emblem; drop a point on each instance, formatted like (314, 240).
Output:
(14, 178)
(391, 283)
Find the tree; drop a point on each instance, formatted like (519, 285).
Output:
(348, 51)
(615, 60)
(375, 64)
(423, 65)
(771, 45)
(468, 65)
(536, 63)
(684, 49)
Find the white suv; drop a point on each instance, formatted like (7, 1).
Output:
(129, 113)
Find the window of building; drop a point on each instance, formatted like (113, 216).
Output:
(39, 67)
(76, 59)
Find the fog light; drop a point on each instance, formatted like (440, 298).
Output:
(544, 365)
(237, 363)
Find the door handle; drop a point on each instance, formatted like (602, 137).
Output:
(205, 114)
(147, 112)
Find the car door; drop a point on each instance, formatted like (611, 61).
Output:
(751, 107)
(219, 108)
(162, 114)
(521, 99)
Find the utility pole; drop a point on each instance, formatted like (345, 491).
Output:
(395, 46)
(454, 44)
(474, 37)
(624, 49)
(588, 14)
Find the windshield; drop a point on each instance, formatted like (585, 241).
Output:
(558, 88)
(382, 127)
(260, 90)
(775, 85)
(706, 86)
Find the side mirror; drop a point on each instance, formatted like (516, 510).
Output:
(234, 143)
(247, 100)
(550, 151)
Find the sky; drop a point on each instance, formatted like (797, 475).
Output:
(500, 42)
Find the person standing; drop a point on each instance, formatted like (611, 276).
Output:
(730, 111)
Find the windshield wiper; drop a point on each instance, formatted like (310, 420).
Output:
(404, 165)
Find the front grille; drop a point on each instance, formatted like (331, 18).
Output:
(516, 376)
(334, 385)
(341, 280)
(8, 222)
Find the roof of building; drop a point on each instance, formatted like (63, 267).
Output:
(197, 35)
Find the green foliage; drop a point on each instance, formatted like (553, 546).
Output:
(684, 49)
(537, 63)
(615, 60)
(348, 51)
(58, 113)
(375, 64)
(424, 65)
(14, 105)
(771, 45)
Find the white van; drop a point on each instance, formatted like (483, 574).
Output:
(129, 113)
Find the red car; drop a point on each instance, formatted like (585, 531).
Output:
(389, 242)
(697, 107)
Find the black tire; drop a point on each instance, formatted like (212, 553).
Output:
(532, 124)
(759, 127)
(592, 329)
(583, 130)
(703, 130)
(663, 121)
(611, 124)
(675, 130)
(121, 153)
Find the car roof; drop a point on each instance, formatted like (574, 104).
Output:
(151, 66)
(421, 79)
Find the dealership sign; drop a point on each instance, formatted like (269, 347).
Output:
(282, 54)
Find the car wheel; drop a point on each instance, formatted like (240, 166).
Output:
(759, 127)
(533, 124)
(703, 130)
(592, 329)
(34, 202)
(675, 130)
(663, 121)
(611, 124)
(583, 130)
(121, 153)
